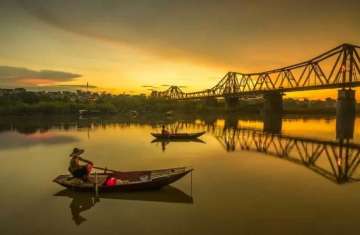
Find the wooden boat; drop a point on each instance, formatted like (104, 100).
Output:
(157, 140)
(178, 135)
(85, 112)
(124, 181)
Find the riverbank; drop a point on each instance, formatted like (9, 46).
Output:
(29, 103)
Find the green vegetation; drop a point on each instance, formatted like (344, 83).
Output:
(22, 102)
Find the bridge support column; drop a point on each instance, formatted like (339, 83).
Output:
(273, 103)
(210, 121)
(231, 122)
(231, 102)
(272, 123)
(211, 101)
(345, 114)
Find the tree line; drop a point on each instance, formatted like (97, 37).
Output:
(29, 102)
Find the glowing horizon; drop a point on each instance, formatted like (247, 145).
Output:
(126, 47)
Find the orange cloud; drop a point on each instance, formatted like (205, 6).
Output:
(17, 76)
(36, 81)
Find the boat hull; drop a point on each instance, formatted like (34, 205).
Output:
(178, 136)
(195, 140)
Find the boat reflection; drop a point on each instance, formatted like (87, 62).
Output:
(83, 201)
(164, 143)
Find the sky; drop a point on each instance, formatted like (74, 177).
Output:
(139, 45)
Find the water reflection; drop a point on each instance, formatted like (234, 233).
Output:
(337, 161)
(83, 201)
(272, 123)
(336, 158)
(30, 125)
(13, 140)
(164, 143)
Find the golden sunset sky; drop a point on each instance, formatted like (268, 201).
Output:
(131, 46)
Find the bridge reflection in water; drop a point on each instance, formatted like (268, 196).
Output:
(337, 161)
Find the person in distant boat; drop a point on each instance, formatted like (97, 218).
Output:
(164, 131)
(77, 170)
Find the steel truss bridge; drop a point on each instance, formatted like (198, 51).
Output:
(336, 68)
(337, 161)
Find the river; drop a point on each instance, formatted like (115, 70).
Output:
(300, 179)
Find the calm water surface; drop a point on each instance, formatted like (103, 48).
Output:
(299, 181)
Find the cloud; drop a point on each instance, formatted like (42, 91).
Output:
(148, 86)
(76, 86)
(72, 87)
(18, 76)
(235, 34)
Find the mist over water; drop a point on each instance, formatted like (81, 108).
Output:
(287, 179)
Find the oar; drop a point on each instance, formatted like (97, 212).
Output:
(117, 172)
(122, 174)
(96, 186)
(105, 169)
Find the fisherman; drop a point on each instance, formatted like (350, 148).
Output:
(77, 170)
(164, 131)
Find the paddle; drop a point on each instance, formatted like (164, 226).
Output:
(126, 175)
(96, 186)
(105, 169)
(119, 172)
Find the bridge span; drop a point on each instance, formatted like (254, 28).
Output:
(336, 68)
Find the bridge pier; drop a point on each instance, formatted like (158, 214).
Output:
(273, 103)
(345, 114)
(231, 123)
(211, 101)
(210, 122)
(231, 102)
(272, 123)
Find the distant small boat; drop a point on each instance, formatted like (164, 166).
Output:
(133, 113)
(124, 181)
(178, 135)
(83, 112)
(194, 140)
(169, 113)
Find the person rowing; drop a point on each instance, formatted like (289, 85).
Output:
(77, 170)
(164, 132)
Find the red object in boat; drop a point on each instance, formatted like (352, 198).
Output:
(111, 181)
